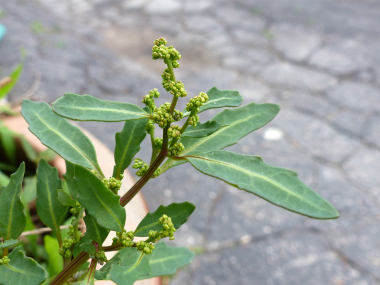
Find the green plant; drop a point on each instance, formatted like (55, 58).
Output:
(89, 191)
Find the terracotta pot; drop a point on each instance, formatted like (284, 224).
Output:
(136, 209)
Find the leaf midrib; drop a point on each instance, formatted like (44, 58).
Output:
(125, 152)
(51, 208)
(164, 259)
(263, 178)
(135, 265)
(222, 129)
(103, 109)
(107, 208)
(69, 142)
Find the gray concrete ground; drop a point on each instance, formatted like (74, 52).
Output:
(320, 60)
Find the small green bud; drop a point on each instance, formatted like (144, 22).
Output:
(176, 149)
(174, 132)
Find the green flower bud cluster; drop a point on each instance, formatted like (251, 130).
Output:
(194, 120)
(75, 211)
(139, 164)
(176, 149)
(174, 132)
(177, 115)
(149, 126)
(126, 238)
(168, 228)
(161, 51)
(145, 247)
(113, 184)
(197, 102)
(158, 143)
(101, 257)
(148, 99)
(177, 89)
(71, 231)
(67, 244)
(4, 260)
(157, 172)
(162, 117)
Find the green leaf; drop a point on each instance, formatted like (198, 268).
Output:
(31, 154)
(15, 75)
(219, 99)
(77, 249)
(10, 243)
(49, 209)
(237, 123)
(8, 143)
(55, 261)
(58, 134)
(94, 231)
(4, 180)
(89, 248)
(179, 213)
(21, 270)
(65, 199)
(128, 144)
(29, 191)
(132, 265)
(279, 186)
(100, 202)
(69, 179)
(89, 108)
(202, 130)
(165, 260)
(89, 278)
(12, 216)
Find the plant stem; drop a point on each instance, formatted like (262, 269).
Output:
(91, 271)
(144, 179)
(66, 261)
(71, 268)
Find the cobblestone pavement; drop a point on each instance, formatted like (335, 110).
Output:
(320, 60)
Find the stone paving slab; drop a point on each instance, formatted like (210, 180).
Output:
(319, 60)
